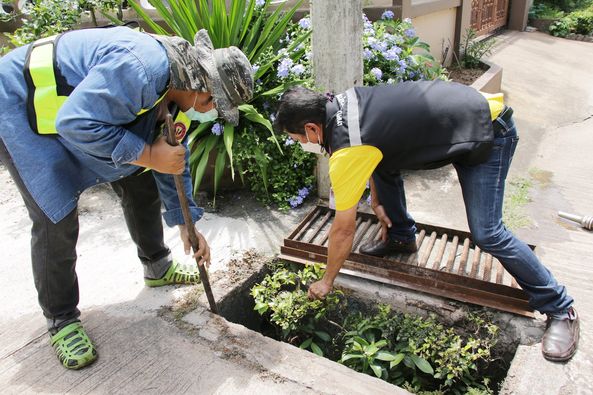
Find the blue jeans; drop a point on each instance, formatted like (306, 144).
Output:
(483, 193)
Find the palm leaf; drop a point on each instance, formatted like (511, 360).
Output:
(219, 166)
(141, 13)
(209, 143)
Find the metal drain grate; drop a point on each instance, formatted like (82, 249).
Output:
(447, 262)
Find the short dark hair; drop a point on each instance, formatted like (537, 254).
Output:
(298, 106)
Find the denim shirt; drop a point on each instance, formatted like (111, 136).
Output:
(116, 72)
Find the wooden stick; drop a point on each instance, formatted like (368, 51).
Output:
(187, 218)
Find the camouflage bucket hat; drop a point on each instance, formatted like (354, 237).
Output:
(226, 72)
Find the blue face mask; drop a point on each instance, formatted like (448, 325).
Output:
(202, 117)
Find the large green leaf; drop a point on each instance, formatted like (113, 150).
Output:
(377, 369)
(316, 349)
(142, 14)
(351, 356)
(398, 358)
(218, 171)
(209, 143)
(422, 364)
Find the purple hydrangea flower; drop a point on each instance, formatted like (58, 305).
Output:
(367, 54)
(298, 69)
(402, 66)
(392, 54)
(410, 32)
(379, 46)
(377, 73)
(368, 25)
(388, 15)
(295, 201)
(303, 192)
(284, 67)
(217, 129)
(305, 23)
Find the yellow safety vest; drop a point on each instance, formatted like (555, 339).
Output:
(48, 90)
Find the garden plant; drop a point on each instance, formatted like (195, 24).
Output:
(570, 16)
(417, 353)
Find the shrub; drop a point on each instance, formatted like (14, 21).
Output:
(561, 27)
(43, 18)
(544, 11)
(407, 350)
(419, 352)
(582, 21)
(568, 5)
(579, 22)
(282, 297)
(473, 50)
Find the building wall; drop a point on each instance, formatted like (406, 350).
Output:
(437, 30)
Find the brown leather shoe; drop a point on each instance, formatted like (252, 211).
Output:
(382, 248)
(561, 338)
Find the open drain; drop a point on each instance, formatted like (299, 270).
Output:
(446, 264)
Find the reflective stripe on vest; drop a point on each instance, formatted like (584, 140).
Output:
(47, 89)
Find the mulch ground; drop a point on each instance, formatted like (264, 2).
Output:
(465, 76)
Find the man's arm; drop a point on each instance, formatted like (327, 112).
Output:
(341, 236)
(379, 211)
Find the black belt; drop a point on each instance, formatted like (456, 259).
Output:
(505, 116)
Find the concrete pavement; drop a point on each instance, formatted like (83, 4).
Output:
(549, 83)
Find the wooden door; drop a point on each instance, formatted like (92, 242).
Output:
(489, 15)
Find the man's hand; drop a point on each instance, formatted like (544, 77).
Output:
(203, 253)
(385, 221)
(162, 157)
(319, 289)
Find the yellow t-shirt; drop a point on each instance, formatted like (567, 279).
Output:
(351, 167)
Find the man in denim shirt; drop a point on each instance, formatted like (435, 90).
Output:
(120, 86)
(374, 132)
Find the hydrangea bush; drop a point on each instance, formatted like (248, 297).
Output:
(392, 52)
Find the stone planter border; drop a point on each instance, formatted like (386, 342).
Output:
(491, 80)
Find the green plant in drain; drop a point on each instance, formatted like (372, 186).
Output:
(282, 296)
(415, 352)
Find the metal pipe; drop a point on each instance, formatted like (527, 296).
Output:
(585, 221)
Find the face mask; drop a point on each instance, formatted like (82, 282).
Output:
(202, 117)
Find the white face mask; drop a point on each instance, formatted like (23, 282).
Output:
(202, 117)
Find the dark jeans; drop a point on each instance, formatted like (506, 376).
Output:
(483, 193)
(53, 246)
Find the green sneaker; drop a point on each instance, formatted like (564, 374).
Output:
(176, 274)
(73, 347)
